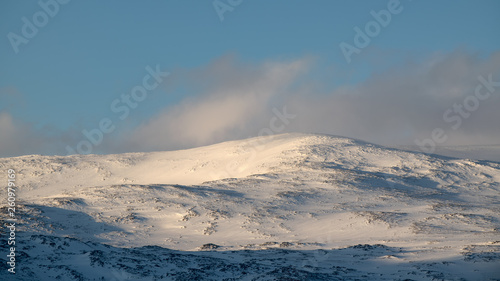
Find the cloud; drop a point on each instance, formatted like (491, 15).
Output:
(230, 99)
(15, 137)
(22, 138)
(233, 102)
(408, 102)
(392, 107)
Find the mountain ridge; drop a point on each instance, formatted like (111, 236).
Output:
(299, 192)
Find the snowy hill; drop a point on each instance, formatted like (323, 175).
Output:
(286, 207)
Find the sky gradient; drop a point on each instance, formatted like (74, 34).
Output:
(231, 71)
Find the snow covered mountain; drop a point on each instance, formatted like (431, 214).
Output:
(285, 207)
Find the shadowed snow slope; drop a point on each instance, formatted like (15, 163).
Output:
(327, 208)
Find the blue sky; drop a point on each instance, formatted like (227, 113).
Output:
(64, 79)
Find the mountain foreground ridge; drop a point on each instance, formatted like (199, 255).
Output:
(282, 207)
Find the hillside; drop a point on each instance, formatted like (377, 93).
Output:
(303, 206)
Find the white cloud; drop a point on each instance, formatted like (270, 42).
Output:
(405, 103)
(235, 102)
(391, 107)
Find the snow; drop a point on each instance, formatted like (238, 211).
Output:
(382, 213)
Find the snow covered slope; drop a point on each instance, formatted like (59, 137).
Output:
(296, 206)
